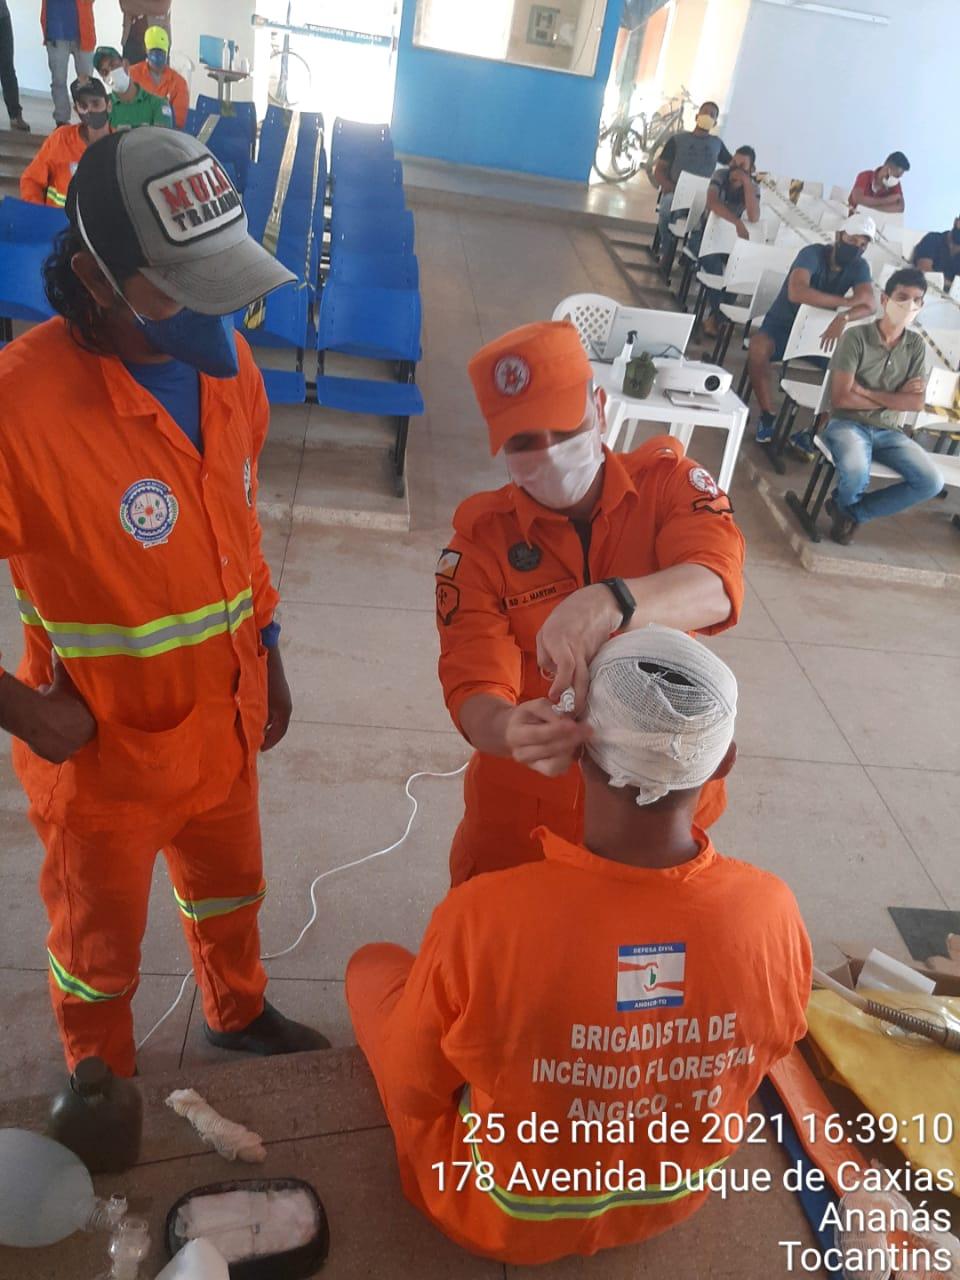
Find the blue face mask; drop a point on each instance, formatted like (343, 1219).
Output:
(157, 59)
(206, 343)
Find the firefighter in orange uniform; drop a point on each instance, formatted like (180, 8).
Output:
(157, 76)
(129, 435)
(557, 1009)
(47, 176)
(540, 573)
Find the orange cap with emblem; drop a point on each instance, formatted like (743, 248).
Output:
(534, 378)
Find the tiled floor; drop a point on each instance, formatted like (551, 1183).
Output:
(846, 783)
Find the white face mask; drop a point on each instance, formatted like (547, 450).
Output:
(561, 474)
(118, 80)
(901, 313)
(890, 180)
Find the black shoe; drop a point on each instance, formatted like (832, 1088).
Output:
(269, 1034)
(844, 526)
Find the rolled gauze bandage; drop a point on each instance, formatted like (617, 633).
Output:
(231, 1140)
(662, 708)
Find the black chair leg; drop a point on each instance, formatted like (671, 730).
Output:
(801, 507)
(400, 455)
(781, 434)
(716, 356)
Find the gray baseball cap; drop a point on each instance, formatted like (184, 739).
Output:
(157, 201)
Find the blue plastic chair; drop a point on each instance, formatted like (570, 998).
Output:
(370, 223)
(357, 196)
(21, 283)
(382, 324)
(244, 113)
(23, 221)
(373, 322)
(365, 240)
(381, 270)
(367, 171)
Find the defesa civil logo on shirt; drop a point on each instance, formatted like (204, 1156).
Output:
(650, 976)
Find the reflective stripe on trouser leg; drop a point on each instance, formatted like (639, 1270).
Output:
(216, 867)
(95, 890)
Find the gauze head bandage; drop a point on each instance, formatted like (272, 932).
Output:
(662, 708)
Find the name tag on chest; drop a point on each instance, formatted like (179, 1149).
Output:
(552, 591)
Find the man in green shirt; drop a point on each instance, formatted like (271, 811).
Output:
(878, 373)
(130, 105)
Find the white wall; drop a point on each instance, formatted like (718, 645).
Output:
(190, 19)
(823, 97)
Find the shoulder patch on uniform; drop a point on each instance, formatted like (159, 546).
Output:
(449, 563)
(703, 481)
(448, 602)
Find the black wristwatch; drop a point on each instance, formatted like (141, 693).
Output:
(624, 598)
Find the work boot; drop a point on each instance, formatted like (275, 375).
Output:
(18, 123)
(269, 1034)
(843, 526)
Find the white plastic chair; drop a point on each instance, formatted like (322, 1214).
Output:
(839, 193)
(804, 341)
(788, 238)
(690, 201)
(955, 289)
(813, 189)
(905, 239)
(592, 315)
(948, 340)
(942, 391)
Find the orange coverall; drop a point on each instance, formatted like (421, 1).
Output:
(47, 176)
(139, 561)
(171, 86)
(510, 562)
(579, 988)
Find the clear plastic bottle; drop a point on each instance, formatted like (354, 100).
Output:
(129, 1246)
(46, 1193)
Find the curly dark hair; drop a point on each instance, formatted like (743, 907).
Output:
(69, 297)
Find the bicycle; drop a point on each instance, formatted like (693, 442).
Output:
(631, 143)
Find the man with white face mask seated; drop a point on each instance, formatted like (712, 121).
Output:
(130, 104)
(540, 573)
(877, 374)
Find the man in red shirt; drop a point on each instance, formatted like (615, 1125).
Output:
(634, 975)
(880, 188)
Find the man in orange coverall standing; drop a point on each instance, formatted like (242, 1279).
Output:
(129, 435)
(540, 573)
(558, 1009)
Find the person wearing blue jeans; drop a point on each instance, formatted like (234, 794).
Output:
(734, 197)
(878, 374)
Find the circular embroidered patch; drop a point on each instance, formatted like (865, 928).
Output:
(511, 375)
(148, 512)
(701, 479)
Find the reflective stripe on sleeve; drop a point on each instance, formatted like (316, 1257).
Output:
(175, 631)
(74, 986)
(56, 197)
(573, 1207)
(207, 908)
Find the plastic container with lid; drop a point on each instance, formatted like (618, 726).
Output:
(99, 1116)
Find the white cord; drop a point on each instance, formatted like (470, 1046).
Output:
(346, 866)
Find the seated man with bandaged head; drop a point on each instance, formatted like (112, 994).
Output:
(638, 979)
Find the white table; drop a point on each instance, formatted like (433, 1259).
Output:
(730, 415)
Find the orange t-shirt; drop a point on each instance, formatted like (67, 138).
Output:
(47, 176)
(171, 86)
(582, 989)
